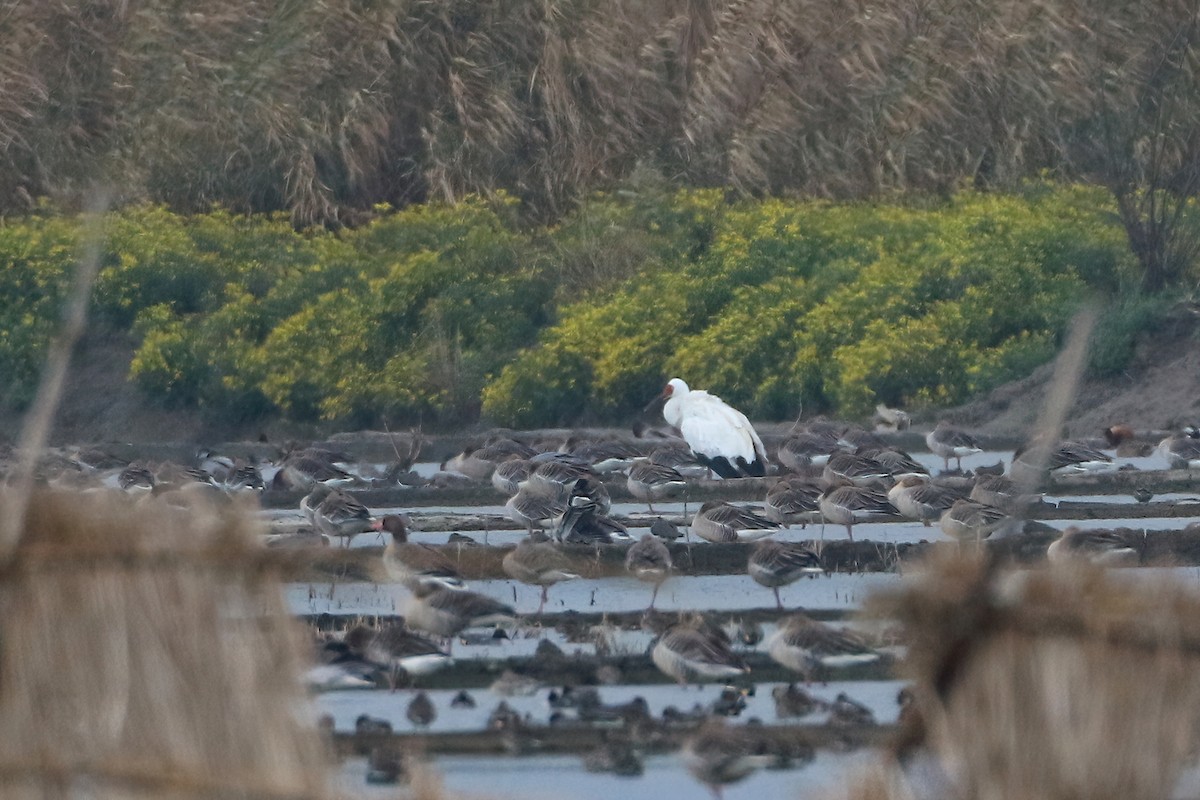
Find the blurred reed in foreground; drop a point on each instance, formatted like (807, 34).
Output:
(144, 652)
(1055, 683)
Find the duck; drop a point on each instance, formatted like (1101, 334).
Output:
(615, 756)
(718, 754)
(689, 651)
(846, 711)
(649, 560)
(718, 434)
(665, 530)
(843, 503)
(366, 725)
(1108, 548)
(949, 442)
(386, 765)
(774, 564)
(421, 711)
(794, 701)
(536, 562)
(583, 521)
(462, 700)
(916, 497)
(649, 482)
(1123, 439)
(411, 563)
(340, 666)
(731, 702)
(804, 645)
(136, 479)
(718, 521)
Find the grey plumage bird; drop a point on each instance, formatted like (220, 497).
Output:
(412, 563)
(722, 522)
(421, 711)
(949, 442)
(538, 563)
(805, 645)
(649, 560)
(718, 754)
(774, 564)
(692, 652)
(649, 482)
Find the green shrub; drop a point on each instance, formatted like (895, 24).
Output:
(1114, 340)
(444, 312)
(37, 261)
(834, 307)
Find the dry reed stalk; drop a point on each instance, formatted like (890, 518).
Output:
(179, 680)
(1060, 683)
(36, 429)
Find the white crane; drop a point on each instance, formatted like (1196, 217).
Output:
(720, 435)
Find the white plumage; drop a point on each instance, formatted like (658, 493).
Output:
(720, 435)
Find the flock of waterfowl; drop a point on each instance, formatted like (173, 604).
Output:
(559, 493)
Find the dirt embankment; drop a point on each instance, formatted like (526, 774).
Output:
(1159, 391)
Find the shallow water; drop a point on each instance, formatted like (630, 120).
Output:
(346, 706)
(563, 778)
(532, 777)
(710, 592)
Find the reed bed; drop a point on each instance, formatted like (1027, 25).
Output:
(142, 656)
(1055, 683)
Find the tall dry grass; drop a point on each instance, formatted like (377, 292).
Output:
(147, 652)
(324, 107)
(1057, 683)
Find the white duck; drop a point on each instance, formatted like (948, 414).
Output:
(720, 435)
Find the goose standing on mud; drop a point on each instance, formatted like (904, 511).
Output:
(649, 560)
(773, 564)
(949, 442)
(538, 563)
(720, 435)
(843, 503)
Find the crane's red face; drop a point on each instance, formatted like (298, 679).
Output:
(667, 391)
